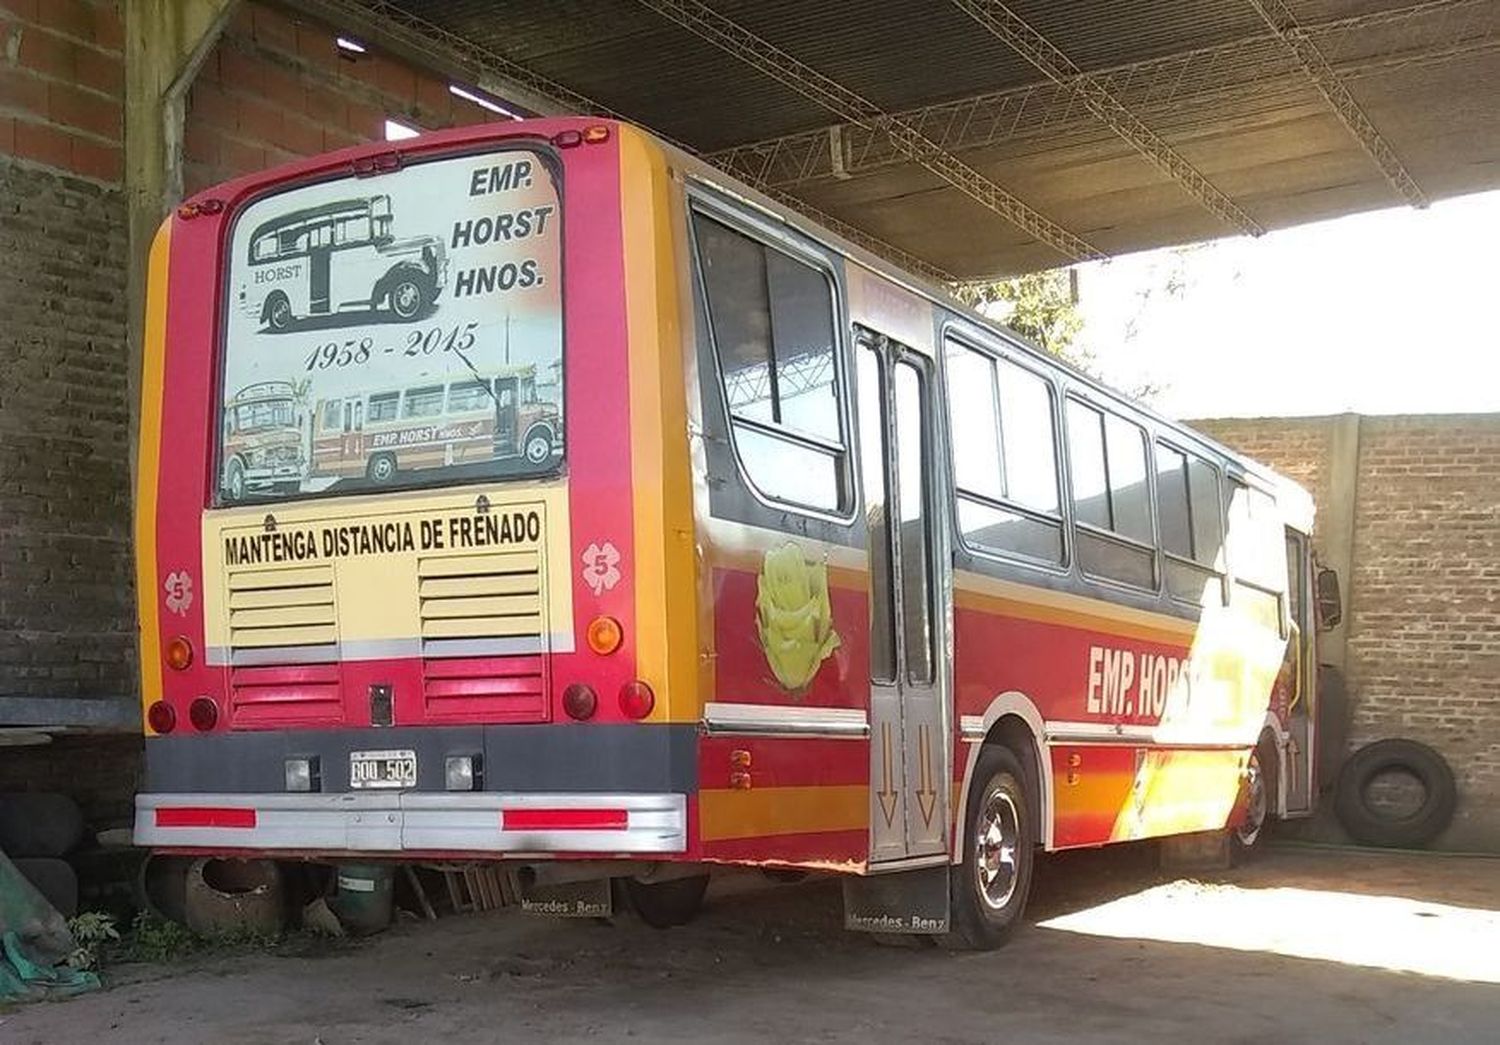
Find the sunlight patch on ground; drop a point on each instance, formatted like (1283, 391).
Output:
(1378, 932)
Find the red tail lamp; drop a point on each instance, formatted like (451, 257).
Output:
(580, 701)
(179, 653)
(636, 699)
(161, 718)
(203, 713)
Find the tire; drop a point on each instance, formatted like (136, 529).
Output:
(1249, 839)
(538, 446)
(279, 312)
(39, 824)
(409, 296)
(234, 481)
(988, 889)
(1375, 827)
(381, 469)
(663, 905)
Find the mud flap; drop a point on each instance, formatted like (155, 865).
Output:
(900, 902)
(590, 899)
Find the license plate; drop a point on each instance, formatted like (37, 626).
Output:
(388, 769)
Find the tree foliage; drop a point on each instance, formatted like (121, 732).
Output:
(1040, 306)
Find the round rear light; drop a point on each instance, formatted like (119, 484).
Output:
(636, 699)
(580, 701)
(179, 653)
(161, 718)
(203, 713)
(605, 635)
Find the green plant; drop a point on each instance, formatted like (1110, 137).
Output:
(91, 931)
(153, 938)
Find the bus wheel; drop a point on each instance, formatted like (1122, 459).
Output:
(663, 905)
(278, 312)
(409, 296)
(1260, 792)
(538, 446)
(381, 469)
(989, 888)
(234, 480)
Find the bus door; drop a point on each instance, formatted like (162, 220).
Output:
(1297, 786)
(352, 444)
(910, 749)
(505, 416)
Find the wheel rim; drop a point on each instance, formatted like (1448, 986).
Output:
(997, 857)
(382, 469)
(1255, 812)
(281, 312)
(537, 449)
(406, 298)
(236, 482)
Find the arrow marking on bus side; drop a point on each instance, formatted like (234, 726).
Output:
(926, 795)
(887, 793)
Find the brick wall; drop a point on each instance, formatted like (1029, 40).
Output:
(273, 88)
(67, 621)
(1423, 604)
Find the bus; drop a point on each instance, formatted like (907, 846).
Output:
(262, 440)
(337, 256)
(468, 418)
(827, 573)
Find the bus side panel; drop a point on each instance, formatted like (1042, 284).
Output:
(1149, 719)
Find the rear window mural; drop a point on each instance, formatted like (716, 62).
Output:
(395, 331)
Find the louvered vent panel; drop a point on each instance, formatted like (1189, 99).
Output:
(483, 637)
(282, 608)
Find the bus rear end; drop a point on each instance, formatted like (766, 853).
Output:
(454, 643)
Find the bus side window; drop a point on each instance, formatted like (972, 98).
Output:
(1111, 508)
(383, 407)
(771, 317)
(331, 412)
(1004, 456)
(1257, 556)
(1187, 506)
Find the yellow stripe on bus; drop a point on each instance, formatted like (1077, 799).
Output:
(666, 637)
(148, 463)
(762, 811)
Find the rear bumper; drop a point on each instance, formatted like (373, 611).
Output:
(415, 822)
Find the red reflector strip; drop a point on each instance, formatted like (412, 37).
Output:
(564, 819)
(205, 816)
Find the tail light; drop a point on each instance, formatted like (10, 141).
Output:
(580, 701)
(203, 713)
(179, 653)
(636, 699)
(605, 635)
(161, 718)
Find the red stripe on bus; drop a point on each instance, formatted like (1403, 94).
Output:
(205, 816)
(564, 819)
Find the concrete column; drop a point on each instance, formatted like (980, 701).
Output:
(165, 43)
(1336, 529)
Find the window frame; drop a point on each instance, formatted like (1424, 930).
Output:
(1252, 483)
(1108, 535)
(995, 349)
(809, 253)
(1189, 454)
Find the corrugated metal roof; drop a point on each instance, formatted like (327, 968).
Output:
(1210, 77)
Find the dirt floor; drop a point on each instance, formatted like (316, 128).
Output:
(1305, 945)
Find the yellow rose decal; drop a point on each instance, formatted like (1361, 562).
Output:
(794, 616)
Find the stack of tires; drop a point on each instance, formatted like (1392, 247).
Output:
(37, 832)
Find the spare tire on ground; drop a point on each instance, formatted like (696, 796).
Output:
(1409, 825)
(54, 879)
(40, 824)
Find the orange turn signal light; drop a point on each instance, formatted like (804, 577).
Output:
(605, 635)
(596, 134)
(179, 653)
